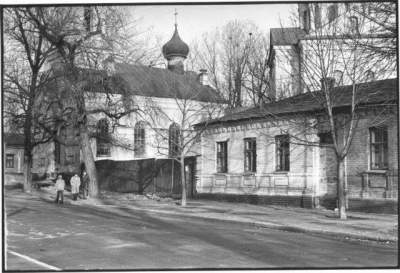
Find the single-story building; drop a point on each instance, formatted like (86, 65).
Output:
(13, 158)
(282, 152)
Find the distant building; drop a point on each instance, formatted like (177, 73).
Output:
(335, 25)
(13, 158)
(275, 155)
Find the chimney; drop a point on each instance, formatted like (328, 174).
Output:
(327, 83)
(203, 77)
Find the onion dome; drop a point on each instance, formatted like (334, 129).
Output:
(175, 47)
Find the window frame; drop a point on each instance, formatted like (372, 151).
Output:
(333, 12)
(354, 25)
(338, 76)
(222, 157)
(139, 139)
(10, 163)
(282, 153)
(103, 138)
(250, 155)
(383, 150)
(317, 16)
(174, 135)
(325, 138)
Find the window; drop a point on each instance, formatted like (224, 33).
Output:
(370, 75)
(139, 139)
(379, 147)
(306, 20)
(317, 16)
(325, 138)
(87, 14)
(10, 161)
(222, 157)
(354, 25)
(71, 158)
(174, 140)
(282, 153)
(103, 138)
(42, 162)
(250, 155)
(57, 152)
(347, 6)
(332, 12)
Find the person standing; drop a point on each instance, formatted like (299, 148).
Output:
(75, 183)
(60, 185)
(85, 185)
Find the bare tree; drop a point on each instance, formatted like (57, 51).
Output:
(236, 57)
(83, 38)
(256, 82)
(172, 126)
(26, 51)
(328, 59)
(380, 19)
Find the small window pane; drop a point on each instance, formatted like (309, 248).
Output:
(250, 155)
(222, 157)
(139, 139)
(282, 153)
(10, 161)
(379, 147)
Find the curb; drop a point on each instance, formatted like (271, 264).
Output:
(281, 227)
(287, 228)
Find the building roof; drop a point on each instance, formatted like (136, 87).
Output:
(12, 139)
(175, 46)
(162, 83)
(147, 81)
(286, 36)
(369, 93)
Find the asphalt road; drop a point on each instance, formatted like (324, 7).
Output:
(43, 235)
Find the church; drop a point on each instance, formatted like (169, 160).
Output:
(168, 100)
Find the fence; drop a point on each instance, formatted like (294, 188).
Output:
(160, 176)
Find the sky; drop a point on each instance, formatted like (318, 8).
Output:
(193, 20)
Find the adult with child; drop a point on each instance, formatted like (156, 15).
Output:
(75, 183)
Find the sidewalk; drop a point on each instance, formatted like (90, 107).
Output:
(364, 226)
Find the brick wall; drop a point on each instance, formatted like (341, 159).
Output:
(312, 169)
(301, 180)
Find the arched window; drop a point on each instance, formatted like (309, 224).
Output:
(317, 16)
(354, 28)
(139, 141)
(338, 75)
(174, 140)
(370, 75)
(103, 138)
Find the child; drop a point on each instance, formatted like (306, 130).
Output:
(60, 185)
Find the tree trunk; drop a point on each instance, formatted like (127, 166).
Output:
(27, 172)
(183, 181)
(88, 159)
(341, 190)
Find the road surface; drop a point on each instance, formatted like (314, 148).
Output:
(44, 236)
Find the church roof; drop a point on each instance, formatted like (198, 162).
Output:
(146, 81)
(175, 47)
(369, 93)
